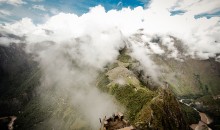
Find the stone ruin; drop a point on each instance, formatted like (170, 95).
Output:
(115, 122)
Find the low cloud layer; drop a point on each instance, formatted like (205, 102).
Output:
(72, 49)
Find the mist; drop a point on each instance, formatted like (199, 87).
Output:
(71, 50)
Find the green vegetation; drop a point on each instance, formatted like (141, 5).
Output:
(145, 108)
(131, 99)
(210, 104)
(124, 57)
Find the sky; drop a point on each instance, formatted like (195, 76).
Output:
(196, 23)
(40, 10)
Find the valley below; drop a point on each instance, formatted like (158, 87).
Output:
(179, 103)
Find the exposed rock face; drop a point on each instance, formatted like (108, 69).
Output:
(164, 112)
(115, 122)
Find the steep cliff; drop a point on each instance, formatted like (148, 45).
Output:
(145, 108)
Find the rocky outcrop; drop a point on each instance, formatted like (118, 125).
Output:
(7, 123)
(163, 112)
(115, 122)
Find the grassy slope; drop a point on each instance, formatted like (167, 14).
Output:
(145, 108)
(191, 77)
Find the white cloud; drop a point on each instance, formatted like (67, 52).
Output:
(200, 35)
(156, 48)
(119, 4)
(77, 49)
(142, 53)
(5, 12)
(36, 0)
(199, 6)
(21, 28)
(40, 7)
(54, 11)
(5, 41)
(13, 2)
